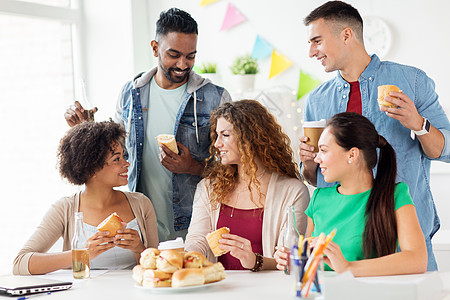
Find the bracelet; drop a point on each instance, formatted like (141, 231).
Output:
(258, 263)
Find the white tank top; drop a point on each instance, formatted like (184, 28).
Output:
(116, 258)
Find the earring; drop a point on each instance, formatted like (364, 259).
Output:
(349, 161)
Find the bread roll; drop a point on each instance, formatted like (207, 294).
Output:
(188, 277)
(156, 278)
(149, 257)
(214, 273)
(213, 240)
(111, 224)
(170, 261)
(383, 91)
(193, 259)
(169, 141)
(138, 273)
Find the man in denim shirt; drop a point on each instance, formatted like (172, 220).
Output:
(170, 98)
(418, 129)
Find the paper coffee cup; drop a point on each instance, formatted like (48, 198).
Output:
(313, 130)
(177, 244)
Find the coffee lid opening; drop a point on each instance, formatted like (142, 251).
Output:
(172, 244)
(315, 124)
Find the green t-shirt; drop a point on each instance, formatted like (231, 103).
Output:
(328, 209)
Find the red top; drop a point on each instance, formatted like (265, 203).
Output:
(354, 101)
(246, 223)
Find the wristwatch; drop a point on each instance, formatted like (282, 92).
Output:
(425, 127)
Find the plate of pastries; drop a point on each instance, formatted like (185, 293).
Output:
(175, 270)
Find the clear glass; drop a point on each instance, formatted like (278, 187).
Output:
(80, 251)
(290, 233)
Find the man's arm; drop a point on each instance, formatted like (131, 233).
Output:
(307, 155)
(406, 113)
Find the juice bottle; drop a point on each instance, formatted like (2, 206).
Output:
(80, 251)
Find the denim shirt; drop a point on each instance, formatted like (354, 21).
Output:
(331, 98)
(194, 136)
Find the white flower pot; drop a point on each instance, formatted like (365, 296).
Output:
(214, 77)
(244, 83)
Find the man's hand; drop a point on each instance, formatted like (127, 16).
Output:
(180, 163)
(76, 114)
(307, 156)
(406, 113)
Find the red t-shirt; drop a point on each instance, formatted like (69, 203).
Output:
(354, 99)
(246, 223)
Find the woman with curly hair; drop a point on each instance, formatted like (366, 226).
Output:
(91, 154)
(251, 180)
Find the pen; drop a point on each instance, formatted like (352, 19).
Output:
(35, 295)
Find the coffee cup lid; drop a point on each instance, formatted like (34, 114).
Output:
(178, 243)
(315, 124)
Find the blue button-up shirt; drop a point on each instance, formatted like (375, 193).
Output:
(332, 97)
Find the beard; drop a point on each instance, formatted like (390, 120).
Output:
(170, 75)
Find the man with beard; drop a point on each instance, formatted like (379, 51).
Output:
(170, 98)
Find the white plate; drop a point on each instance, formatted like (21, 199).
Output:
(169, 290)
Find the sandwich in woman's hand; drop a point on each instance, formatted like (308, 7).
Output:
(187, 277)
(170, 261)
(383, 91)
(214, 273)
(193, 259)
(213, 240)
(112, 223)
(156, 278)
(149, 257)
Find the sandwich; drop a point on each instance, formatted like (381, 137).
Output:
(170, 261)
(168, 140)
(383, 91)
(188, 277)
(149, 257)
(193, 259)
(156, 278)
(138, 273)
(111, 224)
(213, 240)
(215, 272)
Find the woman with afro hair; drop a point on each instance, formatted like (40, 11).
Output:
(251, 180)
(91, 154)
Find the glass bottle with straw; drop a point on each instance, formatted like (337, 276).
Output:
(291, 234)
(84, 101)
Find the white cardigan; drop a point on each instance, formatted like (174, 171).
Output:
(281, 192)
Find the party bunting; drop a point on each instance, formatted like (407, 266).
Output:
(261, 48)
(279, 64)
(206, 2)
(232, 18)
(306, 84)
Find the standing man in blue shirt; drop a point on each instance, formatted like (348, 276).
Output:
(170, 98)
(418, 129)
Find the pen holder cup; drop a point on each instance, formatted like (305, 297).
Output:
(308, 283)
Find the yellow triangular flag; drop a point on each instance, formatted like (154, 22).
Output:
(206, 2)
(279, 64)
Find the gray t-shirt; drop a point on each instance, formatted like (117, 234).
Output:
(156, 180)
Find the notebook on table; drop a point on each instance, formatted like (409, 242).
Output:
(26, 285)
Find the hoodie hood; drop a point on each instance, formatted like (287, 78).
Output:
(195, 81)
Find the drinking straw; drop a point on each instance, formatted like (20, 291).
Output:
(295, 221)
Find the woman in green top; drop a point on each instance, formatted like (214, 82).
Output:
(373, 216)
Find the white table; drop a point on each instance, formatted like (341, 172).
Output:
(238, 285)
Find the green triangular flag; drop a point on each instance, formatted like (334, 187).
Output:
(306, 84)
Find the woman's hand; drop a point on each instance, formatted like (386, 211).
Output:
(129, 239)
(99, 243)
(282, 258)
(335, 259)
(240, 248)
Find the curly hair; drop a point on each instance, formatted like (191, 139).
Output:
(258, 136)
(84, 149)
(175, 20)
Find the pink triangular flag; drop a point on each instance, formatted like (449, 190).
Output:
(233, 17)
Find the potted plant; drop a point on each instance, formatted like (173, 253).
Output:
(208, 70)
(245, 69)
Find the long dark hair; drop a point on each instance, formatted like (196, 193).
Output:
(353, 130)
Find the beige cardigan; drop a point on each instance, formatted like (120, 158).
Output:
(282, 192)
(59, 221)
